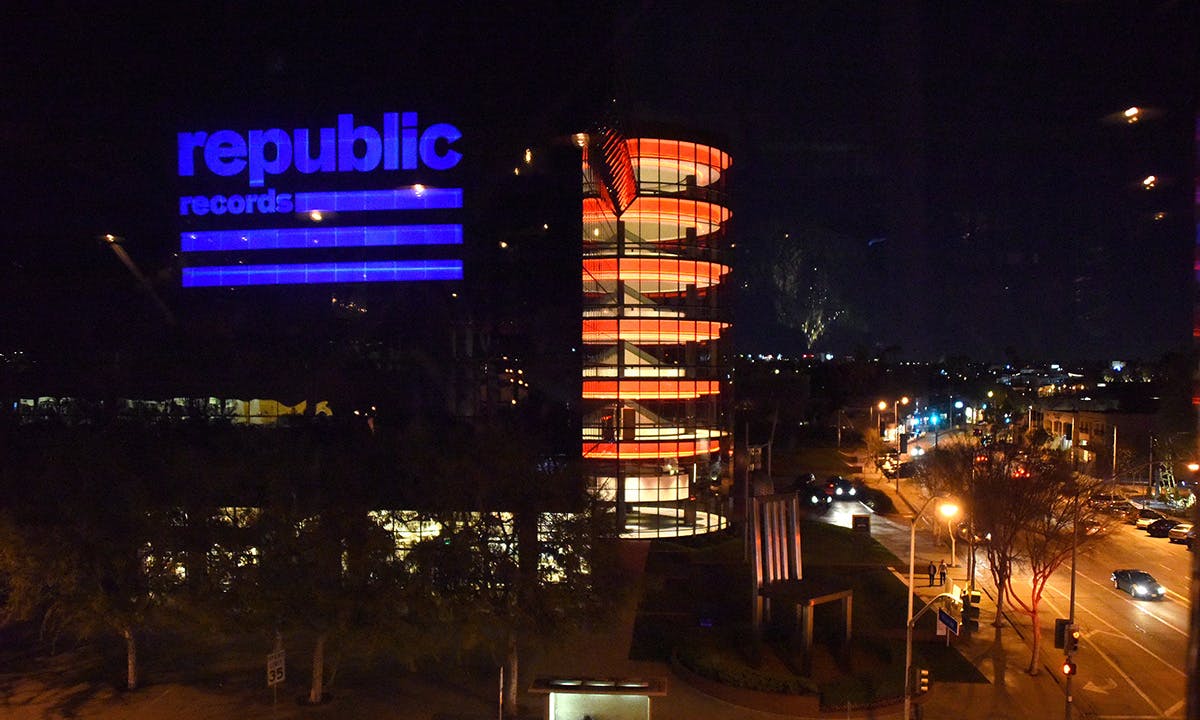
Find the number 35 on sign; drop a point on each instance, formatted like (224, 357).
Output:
(275, 668)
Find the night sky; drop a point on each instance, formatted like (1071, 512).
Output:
(953, 170)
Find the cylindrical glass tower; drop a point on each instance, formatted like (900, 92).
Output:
(654, 258)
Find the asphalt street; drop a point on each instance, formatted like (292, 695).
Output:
(1132, 656)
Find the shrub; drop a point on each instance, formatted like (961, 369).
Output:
(878, 500)
(705, 658)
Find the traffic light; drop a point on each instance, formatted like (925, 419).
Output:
(922, 681)
(970, 616)
(1066, 635)
(1060, 632)
(1071, 639)
(1068, 666)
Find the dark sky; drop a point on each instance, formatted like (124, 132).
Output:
(947, 166)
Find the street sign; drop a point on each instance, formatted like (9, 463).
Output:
(276, 669)
(948, 620)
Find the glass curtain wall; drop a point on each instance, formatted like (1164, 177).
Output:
(653, 317)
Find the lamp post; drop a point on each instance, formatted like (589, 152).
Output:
(115, 242)
(896, 411)
(948, 510)
(950, 529)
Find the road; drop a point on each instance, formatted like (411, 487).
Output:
(1132, 656)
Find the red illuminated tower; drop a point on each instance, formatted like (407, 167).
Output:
(654, 245)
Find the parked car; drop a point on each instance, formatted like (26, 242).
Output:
(1179, 533)
(1146, 516)
(841, 488)
(1138, 583)
(1108, 502)
(1161, 526)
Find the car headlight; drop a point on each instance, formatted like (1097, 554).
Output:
(1139, 590)
(839, 491)
(815, 499)
(853, 491)
(1162, 590)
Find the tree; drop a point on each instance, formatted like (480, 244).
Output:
(982, 480)
(1027, 503)
(1059, 497)
(806, 290)
(83, 541)
(326, 566)
(495, 580)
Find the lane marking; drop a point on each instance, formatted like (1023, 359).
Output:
(1079, 606)
(1138, 606)
(1104, 656)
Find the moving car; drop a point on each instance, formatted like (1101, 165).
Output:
(842, 488)
(1179, 533)
(1161, 527)
(815, 494)
(1138, 583)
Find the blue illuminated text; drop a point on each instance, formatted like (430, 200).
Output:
(399, 144)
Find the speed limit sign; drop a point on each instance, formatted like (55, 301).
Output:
(276, 671)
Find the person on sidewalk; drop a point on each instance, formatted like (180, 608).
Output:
(942, 572)
(932, 573)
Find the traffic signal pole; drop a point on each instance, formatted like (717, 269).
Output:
(1071, 612)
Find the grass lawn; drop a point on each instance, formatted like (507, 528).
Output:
(701, 598)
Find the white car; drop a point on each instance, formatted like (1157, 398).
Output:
(1179, 533)
(1144, 522)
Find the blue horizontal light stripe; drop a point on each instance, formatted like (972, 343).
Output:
(326, 237)
(314, 273)
(366, 200)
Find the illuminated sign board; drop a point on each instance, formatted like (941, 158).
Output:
(283, 196)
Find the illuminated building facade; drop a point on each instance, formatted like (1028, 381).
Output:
(654, 259)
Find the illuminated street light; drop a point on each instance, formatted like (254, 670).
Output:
(1132, 114)
(896, 411)
(948, 510)
(1149, 182)
(115, 242)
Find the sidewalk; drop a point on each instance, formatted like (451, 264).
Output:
(1001, 654)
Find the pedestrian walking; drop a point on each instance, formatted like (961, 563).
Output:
(932, 573)
(942, 571)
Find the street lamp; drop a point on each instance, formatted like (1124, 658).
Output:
(896, 411)
(948, 510)
(950, 529)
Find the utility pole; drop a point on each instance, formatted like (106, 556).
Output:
(1071, 610)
